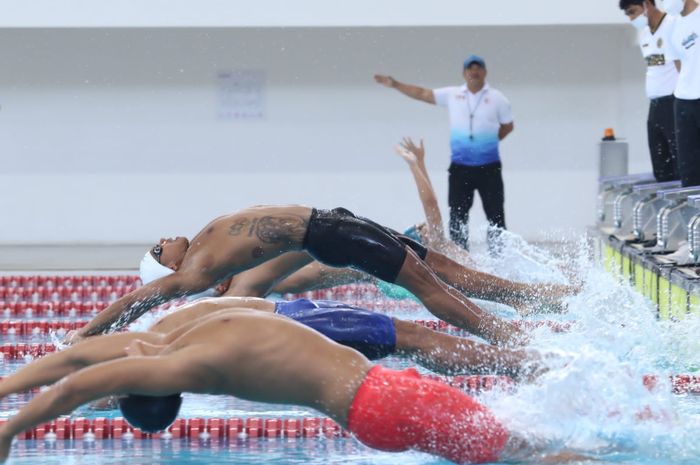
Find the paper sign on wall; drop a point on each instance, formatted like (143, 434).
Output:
(241, 94)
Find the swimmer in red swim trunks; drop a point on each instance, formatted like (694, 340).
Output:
(385, 409)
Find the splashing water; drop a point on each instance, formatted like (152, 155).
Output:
(593, 398)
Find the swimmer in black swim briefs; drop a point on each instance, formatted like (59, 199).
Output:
(234, 243)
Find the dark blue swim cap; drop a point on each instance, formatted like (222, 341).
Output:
(150, 413)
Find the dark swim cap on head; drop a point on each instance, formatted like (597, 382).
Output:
(150, 413)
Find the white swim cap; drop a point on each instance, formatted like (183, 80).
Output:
(150, 269)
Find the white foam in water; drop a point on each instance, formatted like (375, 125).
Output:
(593, 398)
(148, 319)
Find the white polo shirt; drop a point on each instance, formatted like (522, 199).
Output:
(685, 45)
(662, 74)
(474, 141)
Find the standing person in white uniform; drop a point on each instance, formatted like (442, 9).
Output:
(685, 42)
(480, 117)
(655, 29)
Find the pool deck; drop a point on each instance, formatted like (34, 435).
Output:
(59, 257)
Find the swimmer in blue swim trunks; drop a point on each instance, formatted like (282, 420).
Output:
(373, 334)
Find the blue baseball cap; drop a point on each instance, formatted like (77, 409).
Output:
(471, 59)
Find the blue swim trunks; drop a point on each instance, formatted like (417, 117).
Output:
(372, 334)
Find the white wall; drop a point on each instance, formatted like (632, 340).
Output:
(275, 13)
(111, 135)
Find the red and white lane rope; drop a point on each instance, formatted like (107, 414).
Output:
(88, 293)
(192, 428)
(474, 384)
(29, 327)
(14, 281)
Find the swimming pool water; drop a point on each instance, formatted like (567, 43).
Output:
(590, 399)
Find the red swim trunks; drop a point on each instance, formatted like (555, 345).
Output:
(400, 410)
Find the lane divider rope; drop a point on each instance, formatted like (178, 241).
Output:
(34, 327)
(680, 383)
(192, 428)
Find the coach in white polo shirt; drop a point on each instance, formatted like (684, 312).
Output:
(480, 117)
(655, 29)
(685, 45)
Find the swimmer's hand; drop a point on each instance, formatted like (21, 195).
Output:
(223, 287)
(406, 155)
(139, 348)
(73, 337)
(418, 151)
(386, 81)
(5, 444)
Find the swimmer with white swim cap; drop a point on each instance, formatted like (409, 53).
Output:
(150, 268)
(385, 409)
(430, 234)
(234, 243)
(282, 275)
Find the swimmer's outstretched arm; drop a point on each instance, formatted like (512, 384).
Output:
(319, 276)
(415, 157)
(128, 308)
(54, 367)
(259, 281)
(135, 375)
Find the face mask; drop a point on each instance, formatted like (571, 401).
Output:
(673, 7)
(640, 22)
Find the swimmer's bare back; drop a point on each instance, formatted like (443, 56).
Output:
(251, 355)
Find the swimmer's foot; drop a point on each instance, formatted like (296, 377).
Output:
(546, 298)
(141, 348)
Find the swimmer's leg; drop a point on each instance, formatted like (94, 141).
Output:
(450, 305)
(316, 275)
(53, 367)
(449, 355)
(340, 239)
(520, 450)
(489, 287)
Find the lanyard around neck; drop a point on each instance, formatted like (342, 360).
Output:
(472, 113)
